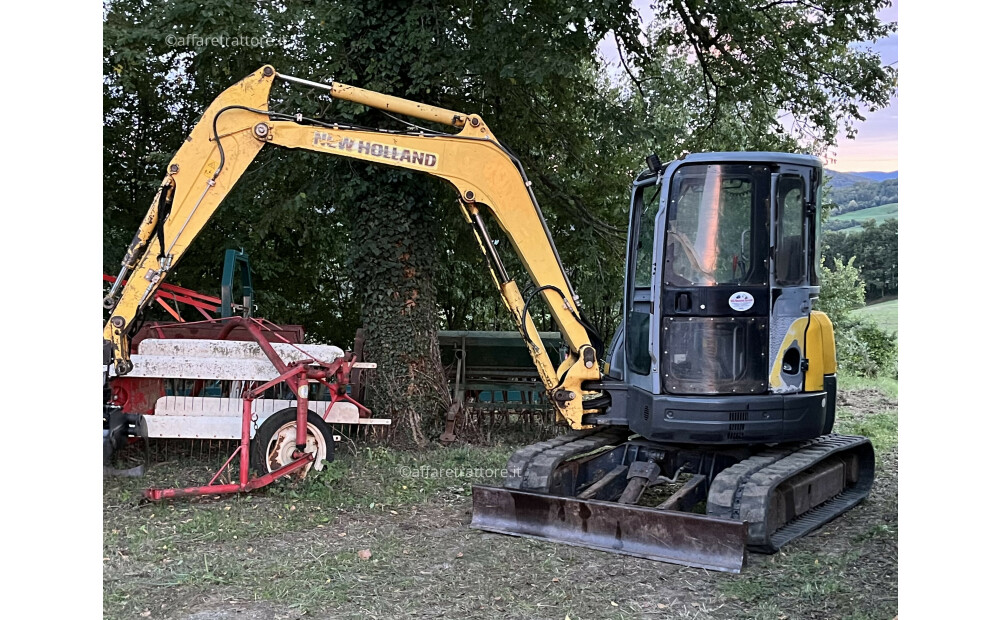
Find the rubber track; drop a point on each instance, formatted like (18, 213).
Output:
(536, 463)
(743, 491)
(726, 492)
(517, 464)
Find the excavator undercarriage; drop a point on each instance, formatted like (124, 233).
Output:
(594, 489)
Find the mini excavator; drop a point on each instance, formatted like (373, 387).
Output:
(720, 384)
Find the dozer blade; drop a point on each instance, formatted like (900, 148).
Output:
(662, 535)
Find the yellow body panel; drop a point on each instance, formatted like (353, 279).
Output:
(822, 351)
(819, 347)
(794, 336)
(471, 160)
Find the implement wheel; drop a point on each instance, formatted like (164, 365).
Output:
(273, 445)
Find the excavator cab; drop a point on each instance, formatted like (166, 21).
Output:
(720, 344)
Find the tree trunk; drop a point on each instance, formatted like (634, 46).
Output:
(394, 255)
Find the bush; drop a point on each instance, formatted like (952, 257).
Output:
(842, 290)
(865, 349)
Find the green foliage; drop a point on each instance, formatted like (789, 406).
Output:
(842, 290)
(339, 244)
(860, 220)
(876, 251)
(755, 59)
(865, 349)
(841, 224)
(282, 212)
(882, 346)
(864, 195)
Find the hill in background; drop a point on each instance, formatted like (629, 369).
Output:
(878, 176)
(861, 193)
(851, 222)
(860, 196)
(847, 179)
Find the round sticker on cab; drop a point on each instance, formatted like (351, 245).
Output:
(741, 301)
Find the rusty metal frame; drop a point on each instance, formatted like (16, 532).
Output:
(332, 375)
(177, 294)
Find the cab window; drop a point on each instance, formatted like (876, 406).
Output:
(790, 253)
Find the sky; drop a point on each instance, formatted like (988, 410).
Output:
(875, 147)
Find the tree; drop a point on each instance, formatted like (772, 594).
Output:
(338, 243)
(876, 252)
(863, 348)
(156, 84)
(761, 62)
(471, 56)
(865, 194)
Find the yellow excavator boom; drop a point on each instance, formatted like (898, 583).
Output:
(237, 125)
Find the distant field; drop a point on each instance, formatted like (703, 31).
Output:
(886, 314)
(880, 214)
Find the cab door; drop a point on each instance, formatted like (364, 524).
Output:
(793, 227)
(640, 365)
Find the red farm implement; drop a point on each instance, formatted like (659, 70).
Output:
(233, 378)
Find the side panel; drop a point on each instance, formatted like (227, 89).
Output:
(821, 351)
(787, 341)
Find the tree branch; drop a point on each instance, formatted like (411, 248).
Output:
(635, 80)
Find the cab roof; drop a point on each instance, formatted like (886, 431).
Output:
(740, 157)
(753, 157)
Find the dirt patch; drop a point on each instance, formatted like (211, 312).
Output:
(293, 552)
(865, 401)
(233, 610)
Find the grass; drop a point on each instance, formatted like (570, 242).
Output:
(375, 480)
(818, 581)
(881, 428)
(885, 314)
(885, 385)
(880, 214)
(292, 550)
(380, 478)
(814, 580)
(808, 578)
(259, 544)
(868, 407)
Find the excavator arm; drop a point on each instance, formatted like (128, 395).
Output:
(237, 125)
